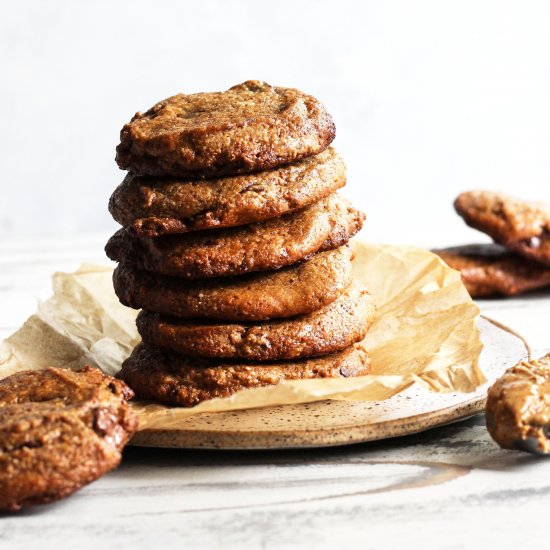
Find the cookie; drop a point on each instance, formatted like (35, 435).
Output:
(298, 289)
(262, 246)
(248, 128)
(322, 332)
(59, 430)
(169, 378)
(492, 270)
(518, 407)
(521, 226)
(150, 207)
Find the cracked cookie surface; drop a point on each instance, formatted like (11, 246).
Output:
(492, 270)
(521, 226)
(262, 246)
(518, 407)
(327, 330)
(170, 378)
(300, 288)
(250, 127)
(59, 430)
(150, 207)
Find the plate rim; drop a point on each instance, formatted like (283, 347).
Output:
(357, 433)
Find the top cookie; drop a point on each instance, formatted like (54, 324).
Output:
(519, 225)
(250, 127)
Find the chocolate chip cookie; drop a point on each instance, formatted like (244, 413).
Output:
(491, 270)
(298, 289)
(521, 226)
(262, 246)
(59, 430)
(250, 127)
(518, 407)
(170, 378)
(322, 332)
(150, 207)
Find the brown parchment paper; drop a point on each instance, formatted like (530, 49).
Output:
(425, 333)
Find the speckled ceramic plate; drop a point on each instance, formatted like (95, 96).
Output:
(327, 423)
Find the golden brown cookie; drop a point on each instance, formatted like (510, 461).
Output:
(521, 226)
(165, 376)
(518, 407)
(328, 330)
(59, 430)
(262, 246)
(492, 270)
(250, 127)
(300, 288)
(150, 207)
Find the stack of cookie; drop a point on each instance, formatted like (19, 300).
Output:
(518, 261)
(234, 245)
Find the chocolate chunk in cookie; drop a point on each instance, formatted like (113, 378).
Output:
(492, 270)
(300, 288)
(325, 331)
(150, 207)
(262, 246)
(250, 127)
(521, 226)
(170, 378)
(59, 430)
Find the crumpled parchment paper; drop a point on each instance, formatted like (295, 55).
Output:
(425, 333)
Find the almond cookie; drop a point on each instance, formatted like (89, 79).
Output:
(150, 207)
(492, 270)
(248, 128)
(167, 377)
(262, 246)
(521, 226)
(518, 407)
(59, 430)
(300, 288)
(325, 331)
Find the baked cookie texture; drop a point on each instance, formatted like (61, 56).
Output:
(59, 430)
(235, 244)
(263, 246)
(300, 288)
(518, 407)
(250, 127)
(492, 270)
(521, 226)
(325, 331)
(151, 207)
(173, 379)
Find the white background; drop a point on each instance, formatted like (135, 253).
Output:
(429, 98)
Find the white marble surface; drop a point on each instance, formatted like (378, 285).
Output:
(448, 488)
